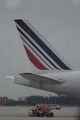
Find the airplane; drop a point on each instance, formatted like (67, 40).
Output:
(51, 72)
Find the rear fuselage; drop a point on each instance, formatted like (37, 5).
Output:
(70, 87)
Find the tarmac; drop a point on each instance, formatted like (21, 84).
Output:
(21, 113)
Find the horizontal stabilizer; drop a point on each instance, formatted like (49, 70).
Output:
(10, 77)
(39, 78)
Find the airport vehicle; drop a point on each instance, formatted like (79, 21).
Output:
(44, 110)
(51, 71)
(55, 106)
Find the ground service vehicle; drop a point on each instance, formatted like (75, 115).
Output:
(55, 106)
(44, 111)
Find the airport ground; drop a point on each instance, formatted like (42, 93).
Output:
(21, 113)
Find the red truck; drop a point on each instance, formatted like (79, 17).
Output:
(44, 110)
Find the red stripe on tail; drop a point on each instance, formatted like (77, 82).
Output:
(34, 60)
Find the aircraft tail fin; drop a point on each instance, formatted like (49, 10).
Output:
(42, 55)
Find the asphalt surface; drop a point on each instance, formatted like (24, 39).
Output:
(21, 113)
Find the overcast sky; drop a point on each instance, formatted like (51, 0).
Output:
(57, 20)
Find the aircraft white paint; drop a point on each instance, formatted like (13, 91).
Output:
(51, 70)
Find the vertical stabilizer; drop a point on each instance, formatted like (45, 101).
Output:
(42, 55)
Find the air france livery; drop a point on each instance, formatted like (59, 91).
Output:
(51, 72)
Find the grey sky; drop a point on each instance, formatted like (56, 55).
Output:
(57, 20)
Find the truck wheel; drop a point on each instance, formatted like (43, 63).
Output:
(42, 114)
(38, 114)
(51, 114)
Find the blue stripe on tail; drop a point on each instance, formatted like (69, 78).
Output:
(42, 44)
